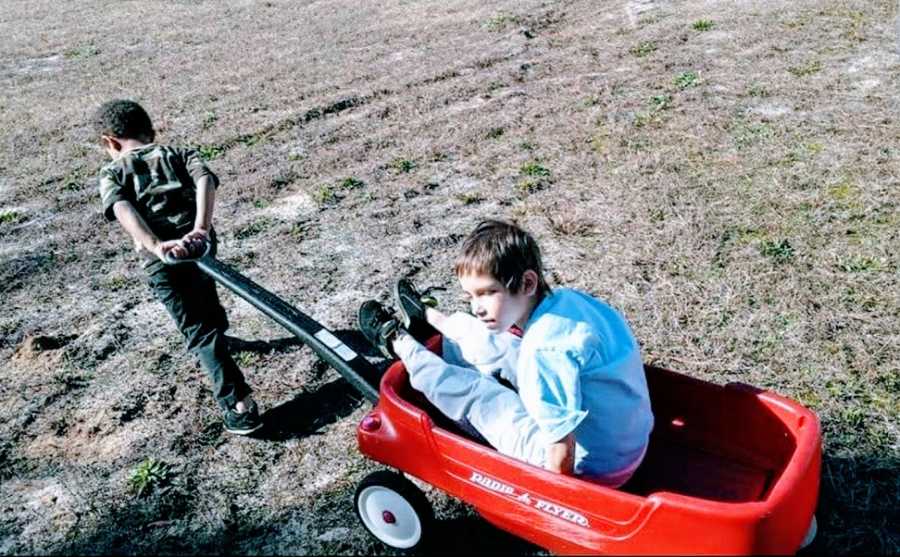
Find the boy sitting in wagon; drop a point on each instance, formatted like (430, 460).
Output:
(581, 405)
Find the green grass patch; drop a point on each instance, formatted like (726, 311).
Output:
(117, 282)
(757, 90)
(351, 183)
(501, 21)
(209, 118)
(495, 133)
(210, 152)
(534, 169)
(859, 264)
(703, 25)
(781, 251)
(470, 198)
(246, 358)
(802, 152)
(530, 185)
(747, 134)
(83, 51)
(254, 228)
(661, 102)
(10, 217)
(643, 48)
(687, 79)
(149, 475)
(844, 192)
(403, 166)
(803, 70)
(324, 195)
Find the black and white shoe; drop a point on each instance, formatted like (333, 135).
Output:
(379, 327)
(411, 302)
(243, 423)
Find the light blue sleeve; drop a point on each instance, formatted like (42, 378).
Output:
(550, 389)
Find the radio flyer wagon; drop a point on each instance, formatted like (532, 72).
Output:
(729, 470)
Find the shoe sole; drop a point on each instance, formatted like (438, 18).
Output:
(404, 317)
(243, 431)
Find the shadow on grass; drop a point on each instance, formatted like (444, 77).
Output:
(473, 535)
(309, 411)
(857, 511)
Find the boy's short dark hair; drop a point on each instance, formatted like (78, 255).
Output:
(503, 251)
(124, 119)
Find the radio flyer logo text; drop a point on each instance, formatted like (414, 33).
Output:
(527, 499)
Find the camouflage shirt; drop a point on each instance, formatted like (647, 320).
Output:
(160, 182)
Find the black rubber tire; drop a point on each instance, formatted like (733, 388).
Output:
(408, 491)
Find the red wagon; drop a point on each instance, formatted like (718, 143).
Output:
(730, 469)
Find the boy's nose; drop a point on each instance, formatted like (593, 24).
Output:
(477, 310)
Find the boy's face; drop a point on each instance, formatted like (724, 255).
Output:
(493, 303)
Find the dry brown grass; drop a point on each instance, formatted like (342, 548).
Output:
(746, 223)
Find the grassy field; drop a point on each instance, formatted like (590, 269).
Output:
(723, 172)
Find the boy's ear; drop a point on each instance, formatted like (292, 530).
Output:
(529, 282)
(110, 143)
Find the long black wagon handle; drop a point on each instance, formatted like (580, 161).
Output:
(338, 355)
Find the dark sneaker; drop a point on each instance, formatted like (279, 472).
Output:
(243, 423)
(379, 327)
(411, 302)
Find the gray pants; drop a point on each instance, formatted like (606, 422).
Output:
(463, 386)
(190, 297)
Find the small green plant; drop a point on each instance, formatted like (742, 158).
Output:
(10, 217)
(470, 198)
(779, 251)
(403, 165)
(686, 79)
(246, 358)
(210, 152)
(703, 25)
(859, 265)
(643, 49)
(534, 169)
(324, 195)
(149, 475)
(84, 51)
(351, 183)
(641, 119)
(757, 90)
(660, 102)
(260, 203)
(495, 133)
(209, 118)
(253, 228)
(501, 21)
(530, 185)
(802, 152)
(806, 69)
(843, 192)
(527, 146)
(749, 134)
(117, 282)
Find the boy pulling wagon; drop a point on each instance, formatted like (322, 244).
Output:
(164, 198)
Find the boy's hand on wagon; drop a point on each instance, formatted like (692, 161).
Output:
(195, 241)
(174, 247)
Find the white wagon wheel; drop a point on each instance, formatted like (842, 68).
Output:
(393, 510)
